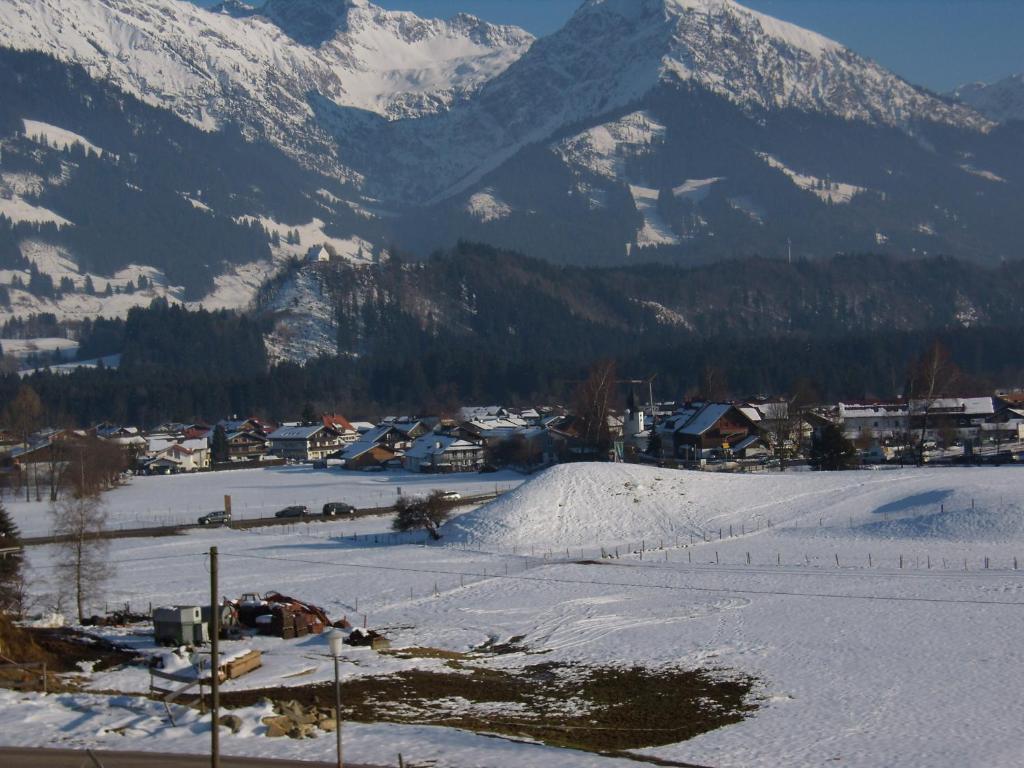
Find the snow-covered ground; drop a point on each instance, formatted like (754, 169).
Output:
(19, 210)
(179, 499)
(827, 190)
(858, 662)
(25, 347)
(55, 136)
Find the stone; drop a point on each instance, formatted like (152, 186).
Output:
(234, 722)
(276, 730)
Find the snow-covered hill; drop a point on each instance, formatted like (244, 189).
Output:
(602, 505)
(1000, 101)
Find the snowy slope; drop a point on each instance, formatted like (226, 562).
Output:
(597, 505)
(1001, 101)
(856, 664)
(210, 68)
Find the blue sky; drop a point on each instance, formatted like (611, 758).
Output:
(935, 43)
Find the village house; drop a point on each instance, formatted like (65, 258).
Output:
(362, 455)
(341, 425)
(880, 421)
(247, 446)
(305, 443)
(946, 418)
(175, 457)
(408, 430)
(129, 439)
(1005, 425)
(443, 453)
(234, 425)
(706, 431)
(491, 429)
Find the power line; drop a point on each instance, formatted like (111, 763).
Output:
(663, 587)
(127, 560)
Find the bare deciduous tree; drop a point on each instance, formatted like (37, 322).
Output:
(932, 376)
(784, 420)
(593, 405)
(82, 564)
(713, 385)
(23, 415)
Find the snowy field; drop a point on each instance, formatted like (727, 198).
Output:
(180, 499)
(859, 662)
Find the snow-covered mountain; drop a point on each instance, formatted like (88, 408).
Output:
(612, 53)
(1000, 101)
(684, 131)
(280, 69)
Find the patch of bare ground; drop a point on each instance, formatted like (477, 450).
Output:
(61, 650)
(605, 709)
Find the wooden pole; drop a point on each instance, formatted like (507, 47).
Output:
(337, 713)
(214, 663)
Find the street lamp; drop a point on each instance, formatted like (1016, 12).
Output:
(335, 638)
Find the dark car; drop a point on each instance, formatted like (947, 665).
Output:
(295, 511)
(216, 518)
(335, 508)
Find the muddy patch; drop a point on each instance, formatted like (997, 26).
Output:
(601, 709)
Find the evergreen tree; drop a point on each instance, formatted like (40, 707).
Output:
(831, 451)
(308, 414)
(89, 288)
(219, 448)
(11, 575)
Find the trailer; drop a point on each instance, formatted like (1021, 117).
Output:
(180, 625)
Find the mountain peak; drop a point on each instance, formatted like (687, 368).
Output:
(1002, 100)
(310, 22)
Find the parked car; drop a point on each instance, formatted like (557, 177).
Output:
(335, 508)
(295, 511)
(219, 517)
(451, 496)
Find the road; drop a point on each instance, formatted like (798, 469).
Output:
(259, 522)
(17, 757)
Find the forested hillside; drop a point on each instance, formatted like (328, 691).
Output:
(480, 325)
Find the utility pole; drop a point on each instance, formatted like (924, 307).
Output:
(789, 248)
(214, 663)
